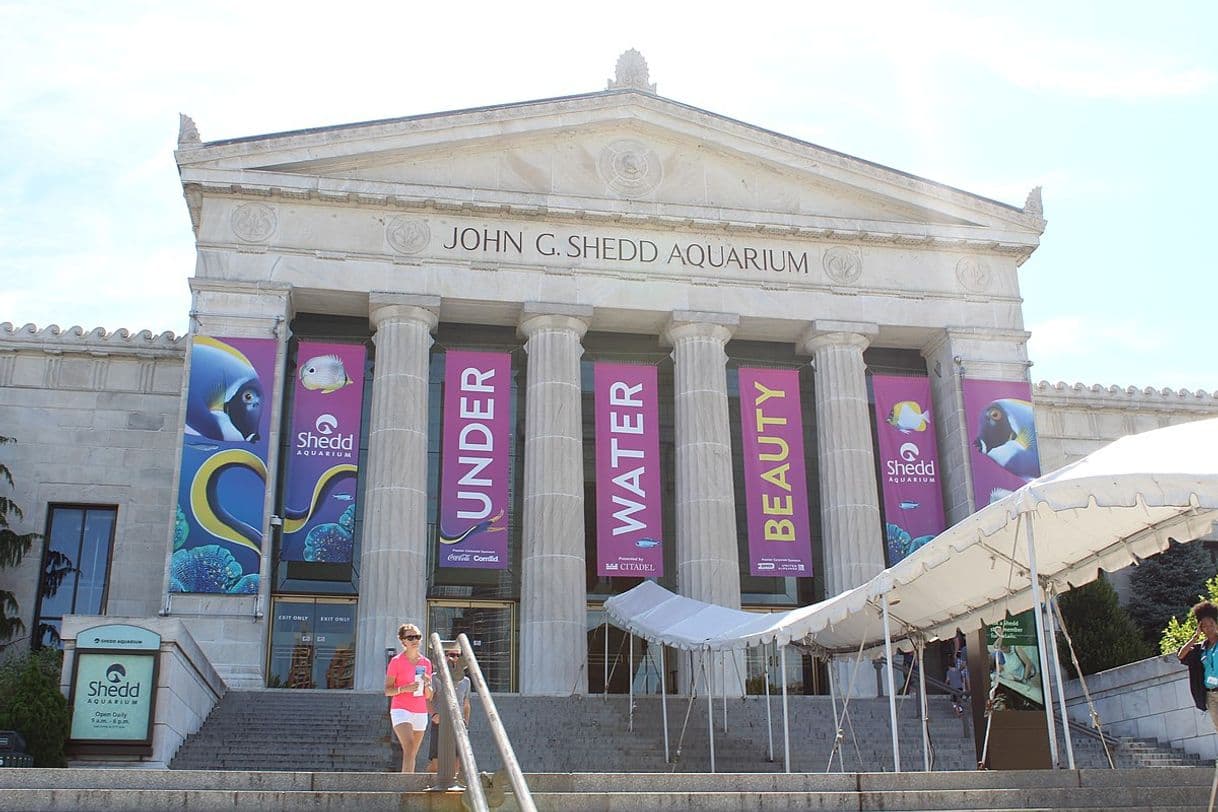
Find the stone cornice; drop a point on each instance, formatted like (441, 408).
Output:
(97, 342)
(531, 206)
(1124, 397)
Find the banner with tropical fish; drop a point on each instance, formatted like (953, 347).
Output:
(321, 468)
(217, 541)
(1002, 437)
(909, 463)
(474, 460)
(775, 477)
(629, 530)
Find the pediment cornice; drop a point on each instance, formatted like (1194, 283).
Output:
(311, 153)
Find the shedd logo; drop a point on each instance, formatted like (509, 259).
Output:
(325, 440)
(115, 689)
(910, 467)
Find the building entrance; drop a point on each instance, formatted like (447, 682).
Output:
(491, 628)
(312, 644)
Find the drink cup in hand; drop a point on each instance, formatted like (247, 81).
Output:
(419, 671)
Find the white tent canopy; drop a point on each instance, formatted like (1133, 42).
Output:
(1119, 504)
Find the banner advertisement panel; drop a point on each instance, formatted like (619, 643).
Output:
(323, 453)
(217, 538)
(474, 460)
(629, 529)
(1015, 661)
(909, 464)
(1002, 438)
(775, 478)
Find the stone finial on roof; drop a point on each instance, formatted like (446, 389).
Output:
(631, 73)
(188, 133)
(1034, 205)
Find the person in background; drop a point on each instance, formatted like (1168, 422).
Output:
(1200, 654)
(955, 681)
(452, 659)
(408, 682)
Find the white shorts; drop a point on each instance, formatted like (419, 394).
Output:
(417, 721)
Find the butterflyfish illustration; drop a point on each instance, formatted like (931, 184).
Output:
(1006, 434)
(224, 399)
(324, 373)
(647, 544)
(485, 526)
(908, 416)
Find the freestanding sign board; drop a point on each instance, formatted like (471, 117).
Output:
(113, 697)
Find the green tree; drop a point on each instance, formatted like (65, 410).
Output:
(1179, 630)
(1166, 586)
(1103, 634)
(31, 704)
(13, 547)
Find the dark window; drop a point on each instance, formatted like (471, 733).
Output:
(75, 567)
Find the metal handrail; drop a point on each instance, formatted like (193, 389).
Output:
(524, 798)
(476, 796)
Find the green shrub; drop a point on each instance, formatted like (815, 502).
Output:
(31, 704)
(1104, 635)
(1179, 630)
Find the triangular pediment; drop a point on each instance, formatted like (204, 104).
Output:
(617, 152)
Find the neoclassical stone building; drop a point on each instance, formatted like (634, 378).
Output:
(614, 226)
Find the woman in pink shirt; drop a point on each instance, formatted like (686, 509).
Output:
(408, 681)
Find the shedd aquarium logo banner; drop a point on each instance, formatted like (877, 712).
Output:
(113, 699)
(322, 468)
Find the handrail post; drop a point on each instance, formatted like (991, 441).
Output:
(524, 799)
(473, 781)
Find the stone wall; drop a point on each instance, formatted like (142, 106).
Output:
(94, 416)
(1148, 699)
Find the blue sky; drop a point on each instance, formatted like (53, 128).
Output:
(1113, 110)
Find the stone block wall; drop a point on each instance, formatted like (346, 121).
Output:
(94, 416)
(1148, 699)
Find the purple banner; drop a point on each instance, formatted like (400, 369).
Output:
(775, 480)
(629, 540)
(217, 538)
(323, 453)
(1002, 437)
(474, 460)
(909, 464)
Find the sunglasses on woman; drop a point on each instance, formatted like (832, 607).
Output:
(412, 637)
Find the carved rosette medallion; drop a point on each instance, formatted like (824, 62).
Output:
(844, 265)
(630, 168)
(406, 235)
(973, 274)
(254, 222)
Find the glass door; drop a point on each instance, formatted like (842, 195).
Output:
(491, 628)
(312, 644)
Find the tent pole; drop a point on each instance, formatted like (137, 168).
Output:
(606, 682)
(1037, 598)
(837, 722)
(892, 691)
(710, 707)
(723, 685)
(769, 721)
(664, 700)
(630, 679)
(1061, 690)
(922, 695)
(786, 718)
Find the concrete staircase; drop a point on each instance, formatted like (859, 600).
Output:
(339, 731)
(1171, 789)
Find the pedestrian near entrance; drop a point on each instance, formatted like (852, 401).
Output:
(1200, 654)
(408, 682)
(452, 660)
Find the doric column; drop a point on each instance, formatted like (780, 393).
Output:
(393, 564)
(707, 559)
(850, 505)
(553, 637)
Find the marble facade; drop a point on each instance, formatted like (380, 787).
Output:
(616, 212)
